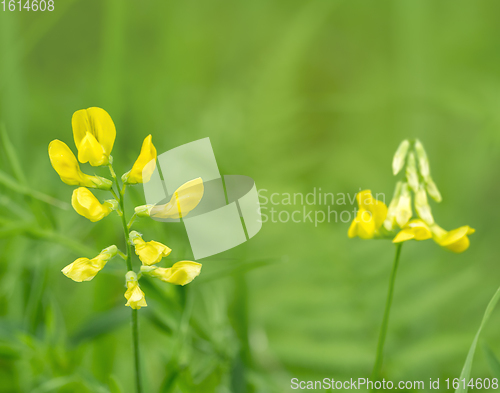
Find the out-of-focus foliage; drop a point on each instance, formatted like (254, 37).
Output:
(297, 95)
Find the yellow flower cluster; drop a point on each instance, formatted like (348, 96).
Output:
(150, 253)
(375, 220)
(94, 135)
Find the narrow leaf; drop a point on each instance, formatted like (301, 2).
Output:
(492, 361)
(470, 356)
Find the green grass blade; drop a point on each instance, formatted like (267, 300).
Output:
(492, 361)
(11, 154)
(8, 182)
(470, 356)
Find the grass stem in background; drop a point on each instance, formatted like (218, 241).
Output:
(385, 322)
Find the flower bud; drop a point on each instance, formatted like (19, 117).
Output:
(403, 211)
(144, 166)
(423, 161)
(411, 172)
(134, 295)
(432, 189)
(85, 269)
(181, 273)
(390, 221)
(143, 210)
(149, 252)
(399, 157)
(422, 206)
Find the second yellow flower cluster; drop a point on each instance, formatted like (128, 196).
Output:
(375, 220)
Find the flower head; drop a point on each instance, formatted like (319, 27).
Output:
(64, 162)
(88, 206)
(94, 133)
(370, 216)
(149, 252)
(144, 166)
(134, 295)
(181, 273)
(85, 269)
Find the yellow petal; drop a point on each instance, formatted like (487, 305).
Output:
(379, 212)
(364, 225)
(135, 297)
(98, 123)
(91, 151)
(455, 240)
(353, 229)
(64, 162)
(144, 166)
(149, 252)
(416, 229)
(404, 235)
(365, 199)
(377, 209)
(184, 200)
(181, 273)
(87, 205)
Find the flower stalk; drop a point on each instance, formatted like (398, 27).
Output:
(398, 222)
(385, 321)
(128, 260)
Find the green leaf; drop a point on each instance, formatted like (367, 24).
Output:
(492, 361)
(470, 356)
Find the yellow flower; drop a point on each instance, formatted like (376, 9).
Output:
(134, 295)
(88, 206)
(181, 273)
(455, 240)
(149, 252)
(144, 166)
(94, 133)
(85, 269)
(185, 199)
(416, 229)
(64, 162)
(370, 216)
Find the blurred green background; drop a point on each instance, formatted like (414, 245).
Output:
(296, 95)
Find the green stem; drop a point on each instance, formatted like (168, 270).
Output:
(385, 322)
(135, 338)
(132, 219)
(135, 324)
